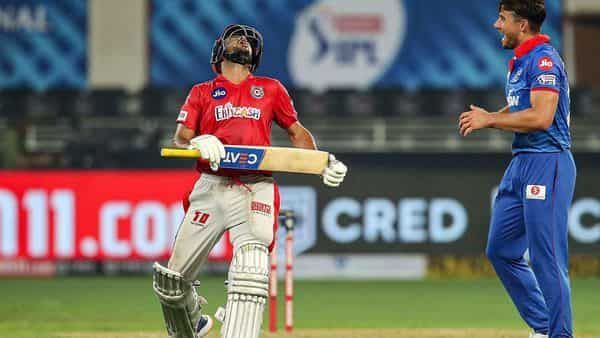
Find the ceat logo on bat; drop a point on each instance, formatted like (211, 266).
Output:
(545, 63)
(345, 43)
(242, 158)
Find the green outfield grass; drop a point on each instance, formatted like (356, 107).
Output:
(126, 307)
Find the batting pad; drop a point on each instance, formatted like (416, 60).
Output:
(179, 301)
(247, 291)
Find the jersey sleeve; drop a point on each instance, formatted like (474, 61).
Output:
(189, 115)
(545, 74)
(284, 112)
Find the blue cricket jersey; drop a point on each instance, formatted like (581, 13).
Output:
(538, 66)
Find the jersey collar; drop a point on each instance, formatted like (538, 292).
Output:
(530, 44)
(222, 78)
(527, 47)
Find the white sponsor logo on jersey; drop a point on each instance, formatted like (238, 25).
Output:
(535, 192)
(228, 111)
(182, 116)
(547, 80)
(513, 100)
(545, 63)
(345, 43)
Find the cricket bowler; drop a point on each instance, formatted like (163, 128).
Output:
(531, 208)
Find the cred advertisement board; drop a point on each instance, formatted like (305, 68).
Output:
(427, 203)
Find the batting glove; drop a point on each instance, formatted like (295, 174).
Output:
(335, 172)
(210, 148)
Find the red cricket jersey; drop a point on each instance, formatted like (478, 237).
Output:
(239, 114)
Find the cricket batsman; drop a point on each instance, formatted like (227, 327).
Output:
(530, 210)
(239, 108)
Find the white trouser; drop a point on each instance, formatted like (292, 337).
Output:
(247, 206)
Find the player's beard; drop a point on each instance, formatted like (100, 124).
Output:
(238, 55)
(509, 41)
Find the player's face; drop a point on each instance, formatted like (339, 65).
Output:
(238, 43)
(510, 26)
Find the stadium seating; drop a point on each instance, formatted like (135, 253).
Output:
(110, 127)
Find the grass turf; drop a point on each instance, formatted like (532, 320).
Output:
(126, 307)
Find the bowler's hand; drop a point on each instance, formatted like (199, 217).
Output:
(476, 118)
(210, 148)
(335, 172)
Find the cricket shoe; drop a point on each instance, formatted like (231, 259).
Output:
(205, 323)
(537, 335)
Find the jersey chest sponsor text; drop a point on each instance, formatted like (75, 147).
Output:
(229, 111)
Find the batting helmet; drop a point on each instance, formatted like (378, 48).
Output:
(219, 52)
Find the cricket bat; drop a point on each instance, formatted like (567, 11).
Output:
(281, 159)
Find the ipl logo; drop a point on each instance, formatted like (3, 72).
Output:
(345, 43)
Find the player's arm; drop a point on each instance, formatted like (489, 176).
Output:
(187, 119)
(182, 136)
(209, 146)
(300, 137)
(504, 110)
(287, 117)
(539, 117)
